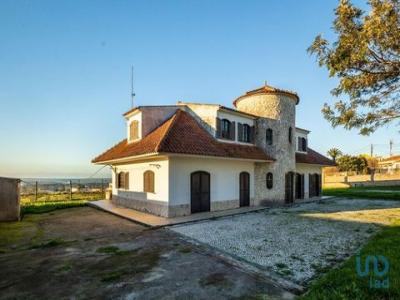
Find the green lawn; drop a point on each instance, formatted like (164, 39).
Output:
(44, 207)
(344, 283)
(375, 192)
(50, 202)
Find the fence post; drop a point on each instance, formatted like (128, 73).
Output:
(36, 191)
(70, 190)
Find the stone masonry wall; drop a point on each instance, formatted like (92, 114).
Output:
(277, 112)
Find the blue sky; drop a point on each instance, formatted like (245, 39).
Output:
(65, 71)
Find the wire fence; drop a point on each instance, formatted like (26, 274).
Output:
(54, 190)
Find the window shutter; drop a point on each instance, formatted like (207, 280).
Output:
(218, 130)
(121, 180)
(232, 131)
(240, 132)
(252, 134)
(116, 180)
(151, 188)
(305, 145)
(126, 181)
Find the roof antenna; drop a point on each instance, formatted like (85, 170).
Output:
(132, 93)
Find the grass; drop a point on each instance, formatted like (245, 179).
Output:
(373, 192)
(54, 197)
(49, 244)
(44, 207)
(49, 202)
(112, 250)
(344, 283)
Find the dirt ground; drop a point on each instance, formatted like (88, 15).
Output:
(82, 253)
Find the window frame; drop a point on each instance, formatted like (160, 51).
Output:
(121, 180)
(269, 136)
(269, 178)
(226, 132)
(246, 132)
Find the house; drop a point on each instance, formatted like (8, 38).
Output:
(389, 164)
(191, 157)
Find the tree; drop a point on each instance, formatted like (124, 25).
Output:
(334, 153)
(352, 163)
(366, 60)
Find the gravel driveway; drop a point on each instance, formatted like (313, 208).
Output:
(299, 242)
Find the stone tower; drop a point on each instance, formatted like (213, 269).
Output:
(276, 110)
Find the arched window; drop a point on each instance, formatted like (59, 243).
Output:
(270, 180)
(121, 180)
(134, 130)
(269, 136)
(148, 182)
(290, 134)
(225, 129)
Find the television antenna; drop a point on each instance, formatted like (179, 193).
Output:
(132, 92)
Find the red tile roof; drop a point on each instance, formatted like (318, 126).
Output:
(314, 158)
(391, 158)
(181, 134)
(266, 89)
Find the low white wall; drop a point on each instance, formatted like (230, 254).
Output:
(224, 178)
(307, 169)
(136, 170)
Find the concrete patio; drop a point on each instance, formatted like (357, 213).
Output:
(156, 221)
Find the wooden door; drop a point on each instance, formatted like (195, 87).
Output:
(200, 191)
(289, 197)
(244, 184)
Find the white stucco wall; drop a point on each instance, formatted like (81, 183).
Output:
(224, 178)
(136, 170)
(307, 169)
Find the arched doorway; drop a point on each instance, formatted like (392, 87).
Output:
(244, 186)
(199, 191)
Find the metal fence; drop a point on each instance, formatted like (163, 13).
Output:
(52, 190)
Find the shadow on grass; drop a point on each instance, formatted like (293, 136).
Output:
(344, 283)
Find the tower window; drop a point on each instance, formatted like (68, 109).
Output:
(269, 180)
(290, 134)
(269, 136)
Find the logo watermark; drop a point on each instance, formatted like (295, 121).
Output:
(378, 279)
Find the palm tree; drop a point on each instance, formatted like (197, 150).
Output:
(334, 153)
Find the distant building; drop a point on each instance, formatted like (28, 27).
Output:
(391, 163)
(192, 157)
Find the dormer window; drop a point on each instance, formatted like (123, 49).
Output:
(134, 130)
(302, 144)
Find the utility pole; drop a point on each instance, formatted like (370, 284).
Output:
(390, 148)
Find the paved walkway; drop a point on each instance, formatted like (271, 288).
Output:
(156, 221)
